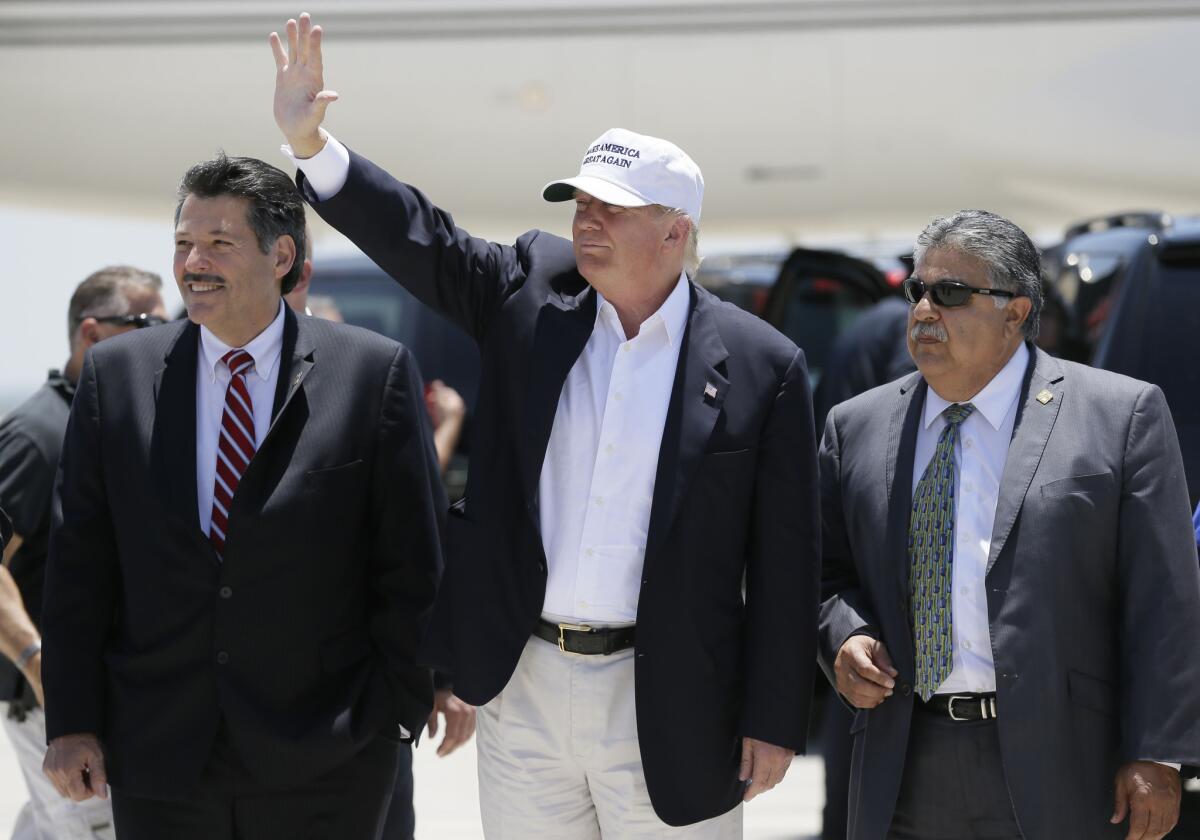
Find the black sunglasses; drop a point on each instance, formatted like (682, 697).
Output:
(948, 293)
(142, 319)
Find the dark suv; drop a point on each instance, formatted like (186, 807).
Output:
(1130, 284)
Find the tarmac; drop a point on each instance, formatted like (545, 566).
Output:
(447, 800)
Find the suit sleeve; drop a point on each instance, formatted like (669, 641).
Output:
(844, 611)
(407, 518)
(464, 278)
(81, 575)
(26, 482)
(1159, 594)
(782, 570)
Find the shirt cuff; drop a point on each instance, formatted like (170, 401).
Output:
(1169, 764)
(327, 170)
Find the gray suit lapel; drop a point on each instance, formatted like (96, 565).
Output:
(1034, 422)
(898, 470)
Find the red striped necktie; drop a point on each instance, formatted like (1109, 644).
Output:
(235, 447)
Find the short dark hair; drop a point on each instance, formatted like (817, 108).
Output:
(1012, 260)
(102, 294)
(276, 207)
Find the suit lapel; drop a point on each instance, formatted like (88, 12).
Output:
(564, 324)
(696, 398)
(173, 439)
(296, 359)
(898, 471)
(1031, 429)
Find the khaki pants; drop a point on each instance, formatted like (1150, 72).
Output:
(558, 755)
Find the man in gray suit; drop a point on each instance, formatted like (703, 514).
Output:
(1011, 591)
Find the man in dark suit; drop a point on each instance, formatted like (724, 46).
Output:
(1011, 587)
(639, 450)
(246, 551)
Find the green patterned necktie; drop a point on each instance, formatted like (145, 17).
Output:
(931, 559)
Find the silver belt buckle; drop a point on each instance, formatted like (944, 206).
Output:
(987, 707)
(950, 705)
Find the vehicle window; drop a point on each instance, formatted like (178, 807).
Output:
(1088, 282)
(1170, 356)
(816, 311)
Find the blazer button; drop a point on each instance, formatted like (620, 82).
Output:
(225, 592)
(222, 658)
(906, 689)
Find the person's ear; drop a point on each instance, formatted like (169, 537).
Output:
(285, 255)
(1015, 314)
(677, 234)
(89, 332)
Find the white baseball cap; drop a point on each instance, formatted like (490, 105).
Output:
(628, 169)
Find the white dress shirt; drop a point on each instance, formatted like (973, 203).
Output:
(212, 379)
(980, 453)
(597, 481)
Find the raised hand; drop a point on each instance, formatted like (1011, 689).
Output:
(300, 95)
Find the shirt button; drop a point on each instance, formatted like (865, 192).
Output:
(583, 604)
(625, 348)
(610, 449)
(967, 644)
(969, 487)
(618, 396)
(222, 658)
(968, 443)
(966, 590)
(589, 553)
(599, 501)
(225, 592)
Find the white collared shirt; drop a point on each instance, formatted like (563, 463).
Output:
(597, 481)
(212, 380)
(980, 454)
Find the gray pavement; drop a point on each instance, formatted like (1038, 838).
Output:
(447, 801)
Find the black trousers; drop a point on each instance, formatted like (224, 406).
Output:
(954, 786)
(348, 803)
(835, 749)
(401, 823)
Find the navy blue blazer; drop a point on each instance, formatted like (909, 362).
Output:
(726, 618)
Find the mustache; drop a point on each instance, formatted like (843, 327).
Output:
(203, 278)
(924, 330)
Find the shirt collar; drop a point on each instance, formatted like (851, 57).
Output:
(264, 348)
(997, 397)
(673, 312)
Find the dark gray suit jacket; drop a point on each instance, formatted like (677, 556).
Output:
(1093, 591)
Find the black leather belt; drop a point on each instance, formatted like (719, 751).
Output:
(585, 640)
(961, 706)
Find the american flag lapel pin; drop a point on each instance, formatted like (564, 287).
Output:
(710, 391)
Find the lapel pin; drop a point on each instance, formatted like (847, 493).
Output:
(1044, 396)
(710, 391)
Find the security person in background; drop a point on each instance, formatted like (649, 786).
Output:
(111, 301)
